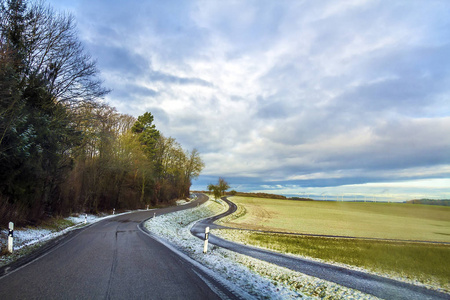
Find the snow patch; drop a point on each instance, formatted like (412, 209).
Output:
(26, 237)
(181, 202)
(260, 279)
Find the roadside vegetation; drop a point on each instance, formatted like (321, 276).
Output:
(62, 149)
(30, 238)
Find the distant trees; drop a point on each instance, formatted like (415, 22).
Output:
(61, 149)
(125, 162)
(176, 167)
(223, 185)
(218, 189)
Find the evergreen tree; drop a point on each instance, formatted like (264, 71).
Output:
(147, 133)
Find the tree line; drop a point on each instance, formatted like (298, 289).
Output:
(62, 149)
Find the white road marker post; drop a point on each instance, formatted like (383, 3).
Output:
(85, 218)
(147, 207)
(114, 211)
(11, 237)
(205, 247)
(154, 214)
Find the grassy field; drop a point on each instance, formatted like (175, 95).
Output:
(374, 220)
(428, 263)
(424, 262)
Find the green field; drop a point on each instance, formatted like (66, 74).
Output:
(426, 262)
(373, 220)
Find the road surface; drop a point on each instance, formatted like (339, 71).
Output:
(112, 259)
(371, 284)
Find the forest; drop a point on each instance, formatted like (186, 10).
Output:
(62, 148)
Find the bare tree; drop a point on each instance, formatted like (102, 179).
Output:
(218, 189)
(211, 187)
(53, 50)
(217, 192)
(192, 168)
(223, 185)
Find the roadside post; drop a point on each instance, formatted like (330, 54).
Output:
(114, 211)
(205, 247)
(11, 237)
(154, 214)
(85, 218)
(147, 207)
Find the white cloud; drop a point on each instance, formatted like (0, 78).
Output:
(288, 91)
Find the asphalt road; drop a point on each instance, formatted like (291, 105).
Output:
(111, 259)
(371, 284)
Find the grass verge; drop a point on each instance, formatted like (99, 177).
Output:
(56, 224)
(415, 262)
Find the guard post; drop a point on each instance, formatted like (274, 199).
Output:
(205, 247)
(11, 237)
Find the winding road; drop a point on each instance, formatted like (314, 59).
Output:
(118, 258)
(112, 259)
(371, 284)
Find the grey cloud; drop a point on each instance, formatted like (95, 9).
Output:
(132, 65)
(332, 69)
(120, 60)
(161, 117)
(271, 108)
(245, 27)
(142, 91)
(396, 145)
(405, 82)
(133, 92)
(158, 76)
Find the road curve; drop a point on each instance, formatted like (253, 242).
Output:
(111, 259)
(371, 284)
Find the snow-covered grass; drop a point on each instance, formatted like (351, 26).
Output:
(30, 238)
(245, 237)
(258, 278)
(182, 202)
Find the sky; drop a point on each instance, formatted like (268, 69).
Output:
(340, 99)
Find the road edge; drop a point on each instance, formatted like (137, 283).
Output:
(230, 289)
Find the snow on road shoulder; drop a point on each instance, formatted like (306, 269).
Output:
(25, 239)
(28, 237)
(260, 279)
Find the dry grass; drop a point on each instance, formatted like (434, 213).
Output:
(425, 262)
(375, 220)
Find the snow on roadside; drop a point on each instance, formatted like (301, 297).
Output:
(29, 237)
(182, 202)
(260, 279)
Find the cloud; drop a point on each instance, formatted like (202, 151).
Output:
(157, 76)
(284, 93)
